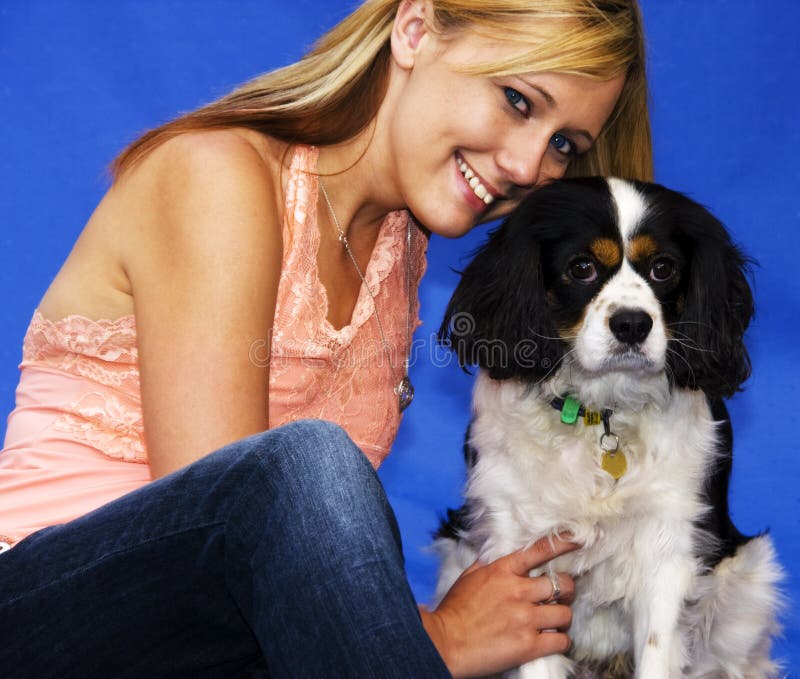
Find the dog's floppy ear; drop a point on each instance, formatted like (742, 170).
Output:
(498, 317)
(709, 352)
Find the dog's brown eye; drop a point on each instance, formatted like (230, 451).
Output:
(663, 269)
(583, 270)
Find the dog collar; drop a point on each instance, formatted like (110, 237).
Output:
(571, 410)
(612, 459)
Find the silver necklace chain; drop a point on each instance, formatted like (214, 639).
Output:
(404, 389)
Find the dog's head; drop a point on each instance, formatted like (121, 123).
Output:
(606, 276)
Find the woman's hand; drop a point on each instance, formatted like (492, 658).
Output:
(493, 619)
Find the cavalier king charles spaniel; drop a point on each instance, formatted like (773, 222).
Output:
(607, 320)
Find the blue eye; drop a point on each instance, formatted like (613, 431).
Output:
(517, 100)
(562, 144)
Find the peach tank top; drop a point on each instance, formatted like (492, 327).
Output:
(75, 439)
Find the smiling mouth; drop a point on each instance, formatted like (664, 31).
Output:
(481, 190)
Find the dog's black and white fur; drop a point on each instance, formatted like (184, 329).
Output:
(629, 297)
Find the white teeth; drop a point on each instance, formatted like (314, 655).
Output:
(475, 184)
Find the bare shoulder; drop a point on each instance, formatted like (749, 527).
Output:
(204, 204)
(197, 168)
(204, 153)
(217, 191)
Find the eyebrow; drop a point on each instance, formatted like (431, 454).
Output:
(552, 102)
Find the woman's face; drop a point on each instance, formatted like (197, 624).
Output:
(469, 148)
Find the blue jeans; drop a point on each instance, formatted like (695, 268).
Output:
(277, 556)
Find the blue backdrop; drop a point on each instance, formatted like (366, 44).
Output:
(78, 80)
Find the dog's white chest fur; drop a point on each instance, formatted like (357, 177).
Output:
(536, 475)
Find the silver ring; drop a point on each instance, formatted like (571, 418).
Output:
(556, 586)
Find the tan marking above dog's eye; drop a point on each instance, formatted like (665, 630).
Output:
(606, 251)
(641, 248)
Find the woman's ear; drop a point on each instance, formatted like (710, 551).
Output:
(409, 31)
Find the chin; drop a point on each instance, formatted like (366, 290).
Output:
(607, 320)
(452, 223)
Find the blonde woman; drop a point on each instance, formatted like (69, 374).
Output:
(247, 286)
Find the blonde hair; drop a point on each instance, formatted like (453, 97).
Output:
(334, 92)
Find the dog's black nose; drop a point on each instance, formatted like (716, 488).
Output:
(630, 326)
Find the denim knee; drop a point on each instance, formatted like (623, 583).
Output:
(323, 447)
(316, 451)
(316, 475)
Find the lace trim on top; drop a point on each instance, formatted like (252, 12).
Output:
(341, 374)
(107, 414)
(104, 351)
(300, 276)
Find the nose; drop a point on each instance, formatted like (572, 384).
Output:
(630, 326)
(521, 159)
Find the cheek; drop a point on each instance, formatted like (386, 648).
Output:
(551, 169)
(673, 305)
(571, 308)
(414, 115)
(680, 307)
(594, 319)
(592, 341)
(568, 330)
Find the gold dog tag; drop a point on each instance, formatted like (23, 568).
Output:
(614, 463)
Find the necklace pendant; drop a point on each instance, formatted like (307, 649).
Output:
(614, 463)
(405, 393)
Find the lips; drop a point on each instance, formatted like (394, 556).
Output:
(479, 187)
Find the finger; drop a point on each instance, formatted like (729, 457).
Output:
(541, 589)
(539, 552)
(549, 643)
(552, 616)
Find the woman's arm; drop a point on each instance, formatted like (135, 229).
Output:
(204, 268)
